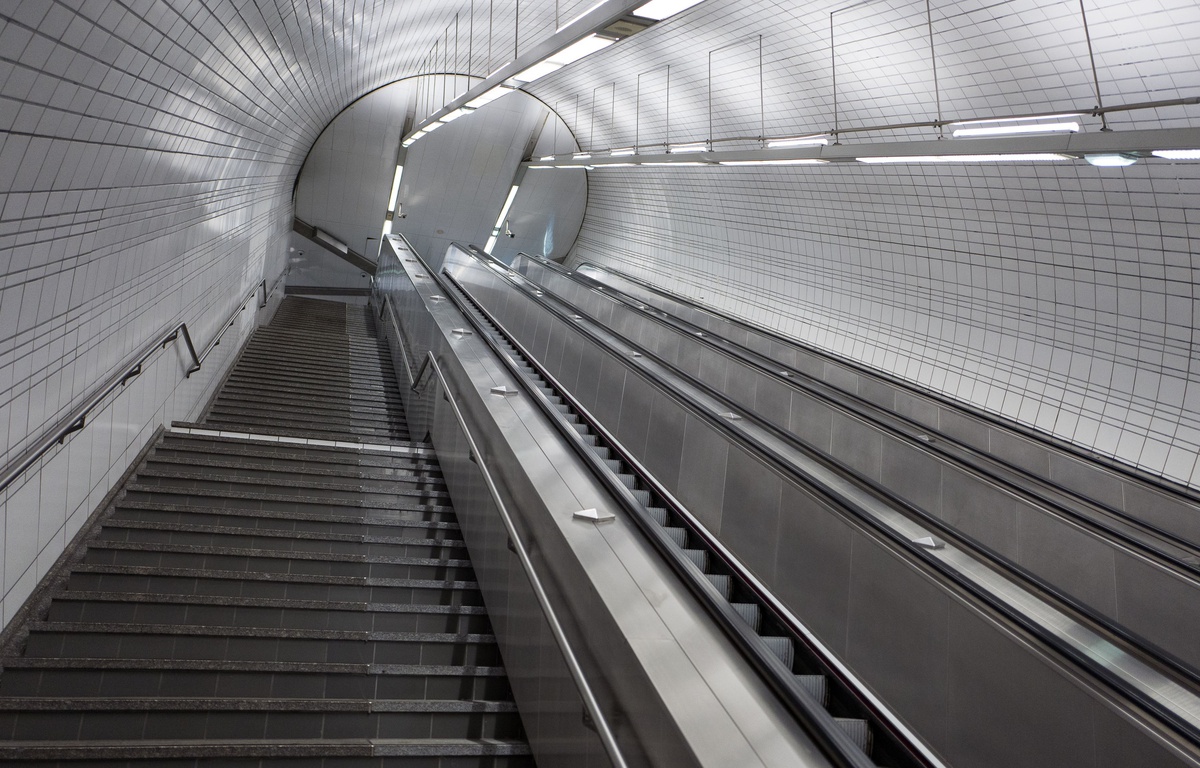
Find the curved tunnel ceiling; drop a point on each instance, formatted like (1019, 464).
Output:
(150, 147)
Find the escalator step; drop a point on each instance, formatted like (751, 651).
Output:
(724, 584)
(603, 452)
(660, 515)
(858, 730)
(697, 556)
(678, 535)
(750, 613)
(613, 464)
(816, 685)
(780, 646)
(643, 497)
(628, 480)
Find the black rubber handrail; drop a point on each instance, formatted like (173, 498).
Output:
(1146, 651)
(78, 418)
(870, 412)
(816, 720)
(1130, 473)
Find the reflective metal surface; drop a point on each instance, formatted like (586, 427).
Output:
(669, 682)
(892, 620)
(1144, 582)
(1172, 510)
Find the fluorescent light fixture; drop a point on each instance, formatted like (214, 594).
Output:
(541, 69)
(1016, 130)
(1026, 119)
(580, 48)
(682, 149)
(623, 152)
(572, 53)
(572, 166)
(820, 140)
(512, 195)
(663, 9)
(547, 158)
(538, 167)
(675, 164)
(1111, 160)
(1177, 154)
(797, 161)
(456, 114)
(409, 141)
(593, 7)
(395, 187)
(487, 97)
(1007, 158)
(614, 165)
(581, 156)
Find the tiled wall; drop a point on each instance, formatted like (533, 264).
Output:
(148, 152)
(1061, 296)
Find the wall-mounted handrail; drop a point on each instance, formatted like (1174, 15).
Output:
(603, 730)
(77, 420)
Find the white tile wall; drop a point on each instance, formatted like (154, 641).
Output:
(148, 151)
(1059, 296)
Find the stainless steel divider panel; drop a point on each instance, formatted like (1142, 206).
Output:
(1154, 600)
(1170, 507)
(977, 689)
(674, 689)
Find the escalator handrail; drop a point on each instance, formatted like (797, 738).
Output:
(1110, 464)
(835, 742)
(859, 407)
(599, 721)
(1152, 656)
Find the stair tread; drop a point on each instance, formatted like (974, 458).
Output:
(97, 627)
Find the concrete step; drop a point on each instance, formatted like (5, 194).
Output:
(287, 471)
(128, 718)
(233, 643)
(416, 519)
(173, 478)
(273, 499)
(419, 753)
(79, 678)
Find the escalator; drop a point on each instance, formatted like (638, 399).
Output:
(1131, 573)
(1160, 509)
(907, 646)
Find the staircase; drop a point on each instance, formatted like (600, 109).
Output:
(283, 584)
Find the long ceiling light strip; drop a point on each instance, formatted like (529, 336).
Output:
(1105, 150)
(588, 33)
(1009, 157)
(1015, 129)
(501, 219)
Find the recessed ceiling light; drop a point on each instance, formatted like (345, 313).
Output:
(1111, 160)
